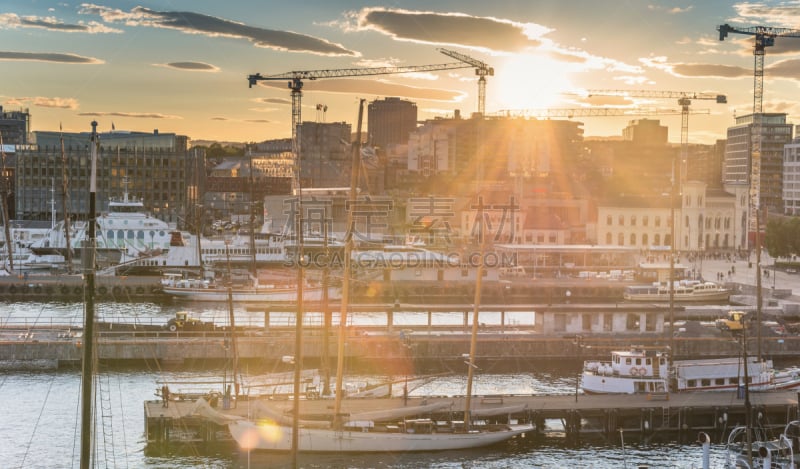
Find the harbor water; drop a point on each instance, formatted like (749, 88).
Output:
(40, 426)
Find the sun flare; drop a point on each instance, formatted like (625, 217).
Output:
(527, 81)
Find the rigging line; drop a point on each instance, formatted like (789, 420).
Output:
(36, 425)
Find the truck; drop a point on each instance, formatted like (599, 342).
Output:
(733, 322)
(183, 321)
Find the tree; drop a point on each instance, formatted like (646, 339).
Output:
(783, 237)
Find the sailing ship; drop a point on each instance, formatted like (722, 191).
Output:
(371, 432)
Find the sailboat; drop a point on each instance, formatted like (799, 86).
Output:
(368, 432)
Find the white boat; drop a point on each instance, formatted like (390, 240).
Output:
(205, 290)
(377, 432)
(126, 228)
(684, 291)
(645, 371)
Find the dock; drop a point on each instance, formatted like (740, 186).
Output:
(674, 417)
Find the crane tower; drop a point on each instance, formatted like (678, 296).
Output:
(481, 69)
(764, 36)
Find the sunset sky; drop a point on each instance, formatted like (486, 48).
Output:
(181, 66)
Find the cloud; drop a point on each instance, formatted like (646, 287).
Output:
(448, 28)
(135, 115)
(784, 14)
(696, 69)
(671, 11)
(48, 57)
(41, 101)
(12, 21)
(190, 66)
(198, 23)
(274, 101)
(375, 88)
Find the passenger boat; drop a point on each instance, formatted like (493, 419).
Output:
(685, 291)
(126, 228)
(642, 371)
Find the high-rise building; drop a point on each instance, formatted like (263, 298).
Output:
(159, 169)
(791, 178)
(775, 133)
(390, 120)
(14, 126)
(325, 154)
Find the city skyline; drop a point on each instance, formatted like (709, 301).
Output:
(182, 66)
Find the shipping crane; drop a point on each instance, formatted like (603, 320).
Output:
(295, 83)
(764, 36)
(482, 69)
(684, 101)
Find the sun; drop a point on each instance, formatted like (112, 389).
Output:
(528, 81)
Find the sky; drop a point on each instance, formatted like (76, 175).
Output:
(182, 65)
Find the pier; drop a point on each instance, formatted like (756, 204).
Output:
(595, 418)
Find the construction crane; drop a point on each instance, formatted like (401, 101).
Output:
(295, 83)
(593, 112)
(764, 36)
(481, 69)
(684, 101)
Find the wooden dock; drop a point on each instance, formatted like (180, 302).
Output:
(589, 418)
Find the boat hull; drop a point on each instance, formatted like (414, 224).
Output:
(263, 437)
(251, 295)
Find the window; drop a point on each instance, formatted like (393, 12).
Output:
(621, 239)
(622, 220)
(658, 221)
(645, 220)
(609, 220)
(686, 221)
(644, 239)
(633, 239)
(656, 239)
(609, 239)
(633, 220)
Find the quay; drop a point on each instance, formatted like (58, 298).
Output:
(71, 287)
(674, 417)
(415, 349)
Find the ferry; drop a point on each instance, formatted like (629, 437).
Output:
(684, 291)
(640, 371)
(126, 229)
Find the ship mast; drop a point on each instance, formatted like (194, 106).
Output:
(348, 249)
(65, 206)
(87, 371)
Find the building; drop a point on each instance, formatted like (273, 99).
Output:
(791, 178)
(775, 133)
(707, 220)
(15, 126)
(325, 159)
(646, 132)
(390, 120)
(159, 168)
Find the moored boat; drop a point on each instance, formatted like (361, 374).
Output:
(646, 371)
(253, 292)
(684, 291)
